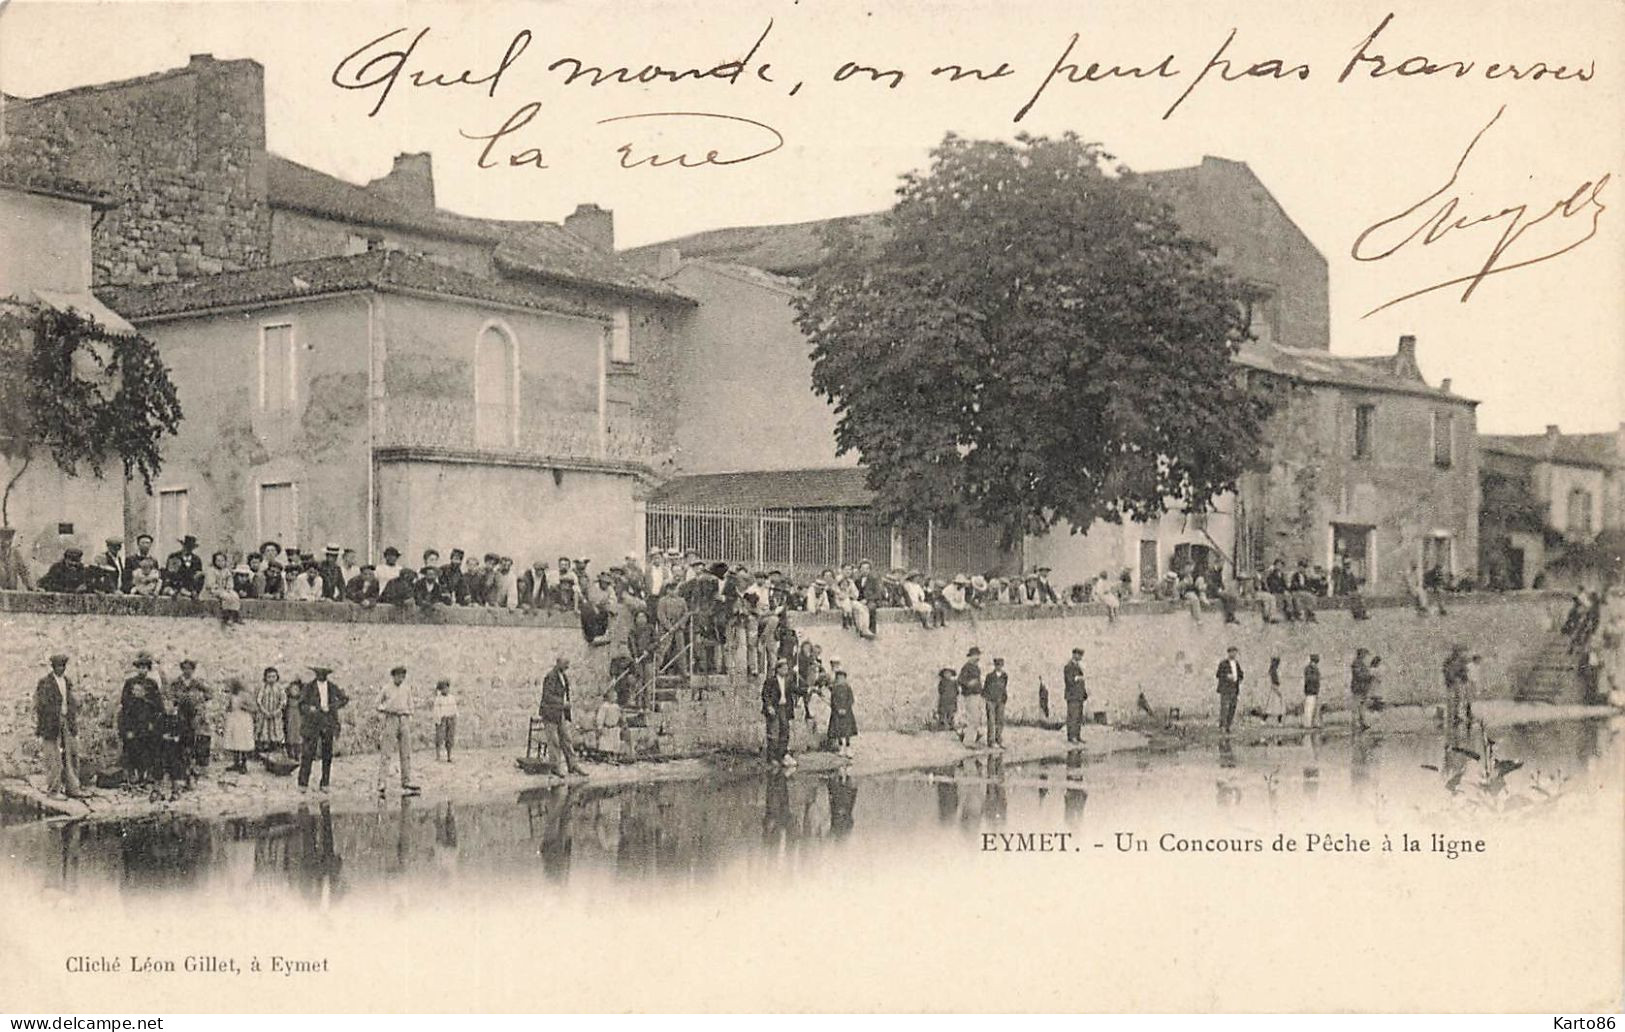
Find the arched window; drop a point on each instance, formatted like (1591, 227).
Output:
(496, 392)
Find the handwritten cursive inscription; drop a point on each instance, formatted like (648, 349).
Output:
(372, 68)
(759, 148)
(1430, 220)
(683, 139)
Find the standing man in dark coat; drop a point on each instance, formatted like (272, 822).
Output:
(56, 725)
(1076, 695)
(555, 713)
(778, 706)
(996, 692)
(140, 707)
(1229, 676)
(319, 705)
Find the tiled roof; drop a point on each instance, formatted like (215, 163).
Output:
(1570, 449)
(788, 250)
(549, 251)
(793, 249)
(545, 250)
(301, 188)
(1371, 372)
(841, 488)
(375, 270)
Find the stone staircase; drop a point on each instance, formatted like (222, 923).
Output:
(1549, 673)
(701, 711)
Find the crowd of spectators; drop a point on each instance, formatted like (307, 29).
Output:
(673, 608)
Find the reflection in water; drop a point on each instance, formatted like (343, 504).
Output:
(947, 801)
(1076, 800)
(319, 861)
(843, 801)
(1362, 749)
(693, 830)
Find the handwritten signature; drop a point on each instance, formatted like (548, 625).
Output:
(673, 140)
(1431, 224)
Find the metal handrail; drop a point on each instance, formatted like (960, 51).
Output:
(643, 695)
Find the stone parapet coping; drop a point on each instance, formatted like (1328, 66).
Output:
(485, 616)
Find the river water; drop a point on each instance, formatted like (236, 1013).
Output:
(625, 839)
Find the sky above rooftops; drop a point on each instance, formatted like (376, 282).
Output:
(1544, 344)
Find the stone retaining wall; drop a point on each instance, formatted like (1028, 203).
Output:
(497, 658)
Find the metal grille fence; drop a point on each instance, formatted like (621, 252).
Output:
(802, 542)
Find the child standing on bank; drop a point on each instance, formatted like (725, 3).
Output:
(239, 725)
(444, 708)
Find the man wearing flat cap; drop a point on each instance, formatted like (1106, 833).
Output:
(395, 733)
(67, 575)
(56, 725)
(319, 705)
(110, 567)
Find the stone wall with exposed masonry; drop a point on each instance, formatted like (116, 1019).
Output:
(497, 659)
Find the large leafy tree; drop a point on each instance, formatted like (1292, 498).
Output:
(1031, 337)
(81, 393)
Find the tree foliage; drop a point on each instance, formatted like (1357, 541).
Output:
(82, 393)
(1032, 338)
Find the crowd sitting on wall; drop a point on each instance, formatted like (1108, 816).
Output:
(857, 591)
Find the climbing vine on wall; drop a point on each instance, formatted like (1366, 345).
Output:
(81, 393)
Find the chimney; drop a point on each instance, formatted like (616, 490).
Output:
(1444, 385)
(1405, 366)
(197, 60)
(593, 224)
(671, 259)
(410, 182)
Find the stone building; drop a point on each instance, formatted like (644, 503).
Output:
(1366, 461)
(1546, 497)
(741, 338)
(386, 399)
(355, 363)
(1219, 201)
(48, 510)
